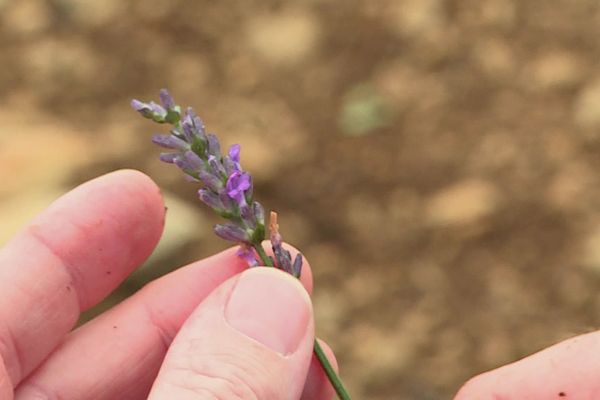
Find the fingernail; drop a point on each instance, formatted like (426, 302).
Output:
(271, 308)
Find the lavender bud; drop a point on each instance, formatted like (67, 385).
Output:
(232, 233)
(283, 257)
(230, 166)
(189, 162)
(159, 113)
(250, 191)
(297, 266)
(191, 179)
(248, 216)
(193, 127)
(210, 199)
(212, 182)
(215, 166)
(197, 121)
(166, 99)
(194, 160)
(169, 157)
(150, 110)
(170, 142)
(259, 212)
(188, 128)
(247, 254)
(214, 147)
(141, 107)
(226, 201)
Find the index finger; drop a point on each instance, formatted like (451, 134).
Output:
(68, 259)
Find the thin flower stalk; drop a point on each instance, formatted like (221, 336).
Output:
(228, 190)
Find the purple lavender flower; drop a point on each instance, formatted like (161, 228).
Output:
(237, 184)
(228, 189)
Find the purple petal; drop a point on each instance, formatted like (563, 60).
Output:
(237, 184)
(234, 153)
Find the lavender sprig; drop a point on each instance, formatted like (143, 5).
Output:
(227, 188)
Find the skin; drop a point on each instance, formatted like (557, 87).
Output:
(80, 249)
(567, 370)
(170, 340)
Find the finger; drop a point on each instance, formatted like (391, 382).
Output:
(250, 338)
(69, 258)
(6, 388)
(118, 354)
(317, 385)
(567, 370)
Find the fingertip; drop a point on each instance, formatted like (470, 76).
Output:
(141, 186)
(102, 230)
(256, 328)
(474, 388)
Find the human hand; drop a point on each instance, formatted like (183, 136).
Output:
(567, 370)
(207, 330)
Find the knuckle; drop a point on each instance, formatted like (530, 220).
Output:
(222, 377)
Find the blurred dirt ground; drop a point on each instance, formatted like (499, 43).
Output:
(435, 160)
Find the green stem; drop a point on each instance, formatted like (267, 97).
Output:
(335, 380)
(263, 255)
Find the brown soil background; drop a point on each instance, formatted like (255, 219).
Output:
(434, 160)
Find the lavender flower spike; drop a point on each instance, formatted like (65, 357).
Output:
(227, 187)
(228, 190)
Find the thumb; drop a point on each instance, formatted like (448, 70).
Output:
(251, 338)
